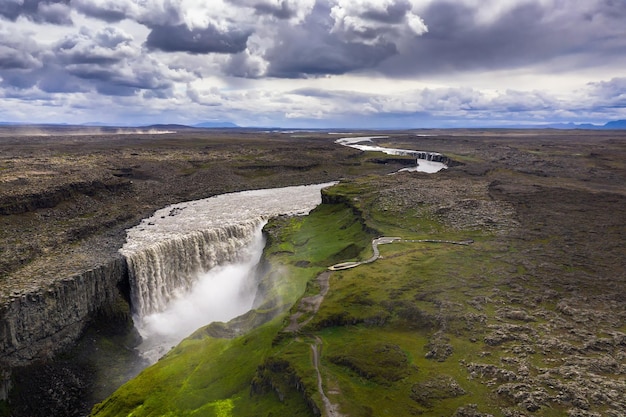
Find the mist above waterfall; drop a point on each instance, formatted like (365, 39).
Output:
(193, 263)
(222, 293)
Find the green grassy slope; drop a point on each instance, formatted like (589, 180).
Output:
(213, 376)
(428, 329)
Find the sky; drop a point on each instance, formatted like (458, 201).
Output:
(313, 63)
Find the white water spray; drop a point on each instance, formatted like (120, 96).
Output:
(224, 292)
(192, 263)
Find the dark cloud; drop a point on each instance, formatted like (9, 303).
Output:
(120, 81)
(284, 11)
(55, 79)
(55, 13)
(325, 56)
(105, 61)
(18, 79)
(197, 41)
(458, 39)
(19, 58)
(394, 12)
(243, 65)
(168, 13)
(313, 49)
(609, 94)
(107, 10)
(16, 57)
(105, 47)
(40, 11)
(614, 9)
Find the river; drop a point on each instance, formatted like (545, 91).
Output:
(366, 143)
(193, 263)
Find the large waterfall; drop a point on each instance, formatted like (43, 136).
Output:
(160, 272)
(190, 263)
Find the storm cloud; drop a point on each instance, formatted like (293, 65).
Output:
(299, 62)
(42, 11)
(108, 10)
(180, 38)
(462, 38)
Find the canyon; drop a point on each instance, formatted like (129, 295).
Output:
(66, 214)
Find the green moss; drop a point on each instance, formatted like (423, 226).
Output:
(393, 335)
(198, 377)
(383, 363)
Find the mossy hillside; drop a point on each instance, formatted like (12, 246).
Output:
(399, 336)
(378, 325)
(213, 376)
(202, 377)
(391, 319)
(429, 328)
(401, 299)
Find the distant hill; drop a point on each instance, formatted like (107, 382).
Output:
(215, 124)
(167, 126)
(616, 124)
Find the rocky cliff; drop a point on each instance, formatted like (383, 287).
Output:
(38, 324)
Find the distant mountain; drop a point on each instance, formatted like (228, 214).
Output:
(167, 126)
(215, 124)
(566, 126)
(97, 124)
(616, 124)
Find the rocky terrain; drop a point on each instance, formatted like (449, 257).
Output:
(68, 195)
(548, 330)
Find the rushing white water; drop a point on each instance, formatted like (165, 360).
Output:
(220, 294)
(422, 164)
(192, 263)
(162, 271)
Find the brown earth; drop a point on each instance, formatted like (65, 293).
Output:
(65, 202)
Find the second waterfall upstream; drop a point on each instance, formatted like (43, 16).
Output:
(193, 263)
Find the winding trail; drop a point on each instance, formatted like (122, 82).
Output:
(312, 304)
(309, 304)
(329, 407)
(386, 240)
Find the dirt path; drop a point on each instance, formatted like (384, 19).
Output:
(329, 408)
(312, 304)
(375, 255)
(386, 240)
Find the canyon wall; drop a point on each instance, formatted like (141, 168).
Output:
(36, 325)
(161, 258)
(40, 323)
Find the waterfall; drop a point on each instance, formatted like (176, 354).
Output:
(168, 268)
(192, 263)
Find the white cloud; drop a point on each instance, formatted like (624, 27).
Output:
(371, 21)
